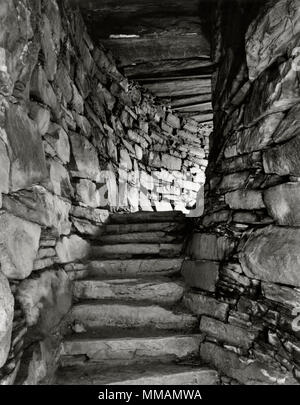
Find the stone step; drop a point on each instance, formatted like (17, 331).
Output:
(157, 374)
(126, 268)
(145, 217)
(98, 314)
(138, 237)
(128, 350)
(128, 250)
(167, 227)
(162, 291)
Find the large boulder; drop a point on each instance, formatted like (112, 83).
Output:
(272, 254)
(28, 165)
(6, 318)
(40, 206)
(19, 242)
(283, 203)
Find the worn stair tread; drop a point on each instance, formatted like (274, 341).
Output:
(138, 237)
(145, 216)
(111, 313)
(154, 374)
(120, 350)
(159, 290)
(135, 249)
(127, 267)
(143, 227)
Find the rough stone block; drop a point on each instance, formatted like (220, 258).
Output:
(201, 304)
(283, 159)
(60, 180)
(40, 206)
(41, 116)
(272, 254)
(289, 297)
(283, 203)
(6, 318)
(245, 200)
(87, 193)
(201, 274)
(45, 299)
(28, 165)
(4, 168)
(72, 248)
(245, 371)
(226, 333)
(42, 90)
(272, 35)
(19, 243)
(86, 156)
(233, 181)
(58, 139)
(206, 246)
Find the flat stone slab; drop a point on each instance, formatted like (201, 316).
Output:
(143, 227)
(135, 249)
(128, 315)
(143, 375)
(144, 217)
(133, 349)
(126, 268)
(139, 237)
(158, 291)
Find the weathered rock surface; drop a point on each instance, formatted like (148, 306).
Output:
(41, 207)
(158, 375)
(272, 254)
(133, 349)
(28, 165)
(283, 159)
(17, 235)
(245, 200)
(6, 318)
(201, 274)
(72, 248)
(283, 203)
(272, 35)
(157, 290)
(85, 156)
(289, 297)
(201, 304)
(246, 371)
(45, 299)
(206, 246)
(125, 268)
(226, 333)
(125, 315)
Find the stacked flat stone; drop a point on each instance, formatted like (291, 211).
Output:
(245, 256)
(68, 120)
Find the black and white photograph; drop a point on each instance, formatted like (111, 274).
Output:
(149, 199)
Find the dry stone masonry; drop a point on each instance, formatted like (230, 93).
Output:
(245, 255)
(77, 141)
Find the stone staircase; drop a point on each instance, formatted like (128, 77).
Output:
(131, 325)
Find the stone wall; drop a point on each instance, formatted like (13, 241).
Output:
(77, 140)
(245, 255)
